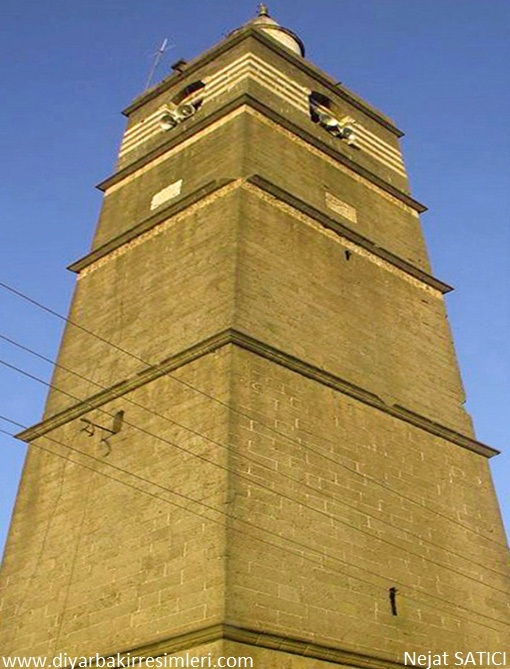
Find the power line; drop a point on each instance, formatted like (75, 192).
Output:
(252, 482)
(422, 506)
(163, 499)
(246, 522)
(182, 495)
(228, 448)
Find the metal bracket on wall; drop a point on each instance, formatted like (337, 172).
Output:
(90, 428)
(393, 600)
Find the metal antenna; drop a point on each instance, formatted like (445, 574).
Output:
(157, 58)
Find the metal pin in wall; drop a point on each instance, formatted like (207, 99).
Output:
(393, 600)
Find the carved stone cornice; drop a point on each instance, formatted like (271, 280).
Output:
(251, 638)
(268, 352)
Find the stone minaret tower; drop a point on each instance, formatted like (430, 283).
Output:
(261, 451)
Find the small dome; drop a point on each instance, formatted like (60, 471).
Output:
(274, 30)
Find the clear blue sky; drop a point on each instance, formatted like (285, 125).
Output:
(439, 68)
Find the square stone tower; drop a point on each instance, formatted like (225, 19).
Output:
(255, 443)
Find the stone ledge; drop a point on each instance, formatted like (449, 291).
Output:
(268, 352)
(247, 99)
(347, 232)
(201, 194)
(178, 205)
(258, 639)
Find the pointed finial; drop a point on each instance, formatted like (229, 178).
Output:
(263, 10)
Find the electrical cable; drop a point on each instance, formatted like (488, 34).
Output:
(229, 448)
(265, 530)
(183, 496)
(422, 506)
(163, 499)
(250, 481)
